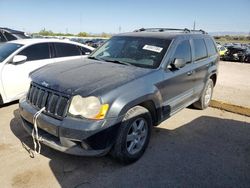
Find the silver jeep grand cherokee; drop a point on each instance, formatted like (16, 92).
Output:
(110, 101)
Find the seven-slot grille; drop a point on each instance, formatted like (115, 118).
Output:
(55, 103)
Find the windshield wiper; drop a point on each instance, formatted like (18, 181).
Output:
(112, 61)
(118, 62)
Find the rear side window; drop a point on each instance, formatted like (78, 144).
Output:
(66, 50)
(36, 52)
(9, 36)
(183, 51)
(200, 50)
(211, 49)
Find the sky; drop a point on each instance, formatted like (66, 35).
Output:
(113, 16)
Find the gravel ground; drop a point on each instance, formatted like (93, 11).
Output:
(233, 83)
(209, 148)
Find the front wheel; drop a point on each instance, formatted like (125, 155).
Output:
(134, 135)
(1, 100)
(206, 96)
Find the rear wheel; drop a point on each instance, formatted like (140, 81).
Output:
(206, 96)
(133, 136)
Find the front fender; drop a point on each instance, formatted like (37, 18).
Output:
(127, 100)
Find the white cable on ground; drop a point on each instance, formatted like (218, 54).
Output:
(35, 135)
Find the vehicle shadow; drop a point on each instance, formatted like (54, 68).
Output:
(206, 152)
(8, 104)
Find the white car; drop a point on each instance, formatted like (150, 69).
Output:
(20, 57)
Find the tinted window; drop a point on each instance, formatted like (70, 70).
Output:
(36, 52)
(138, 51)
(199, 49)
(183, 51)
(6, 49)
(85, 51)
(66, 50)
(9, 36)
(211, 49)
(2, 38)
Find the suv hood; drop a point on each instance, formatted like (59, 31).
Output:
(86, 76)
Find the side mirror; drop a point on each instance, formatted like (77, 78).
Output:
(178, 63)
(19, 59)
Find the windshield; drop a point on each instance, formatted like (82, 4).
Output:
(138, 51)
(7, 49)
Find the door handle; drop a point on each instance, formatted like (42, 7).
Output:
(209, 64)
(190, 73)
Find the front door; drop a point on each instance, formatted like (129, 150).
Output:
(178, 85)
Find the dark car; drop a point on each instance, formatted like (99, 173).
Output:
(236, 53)
(7, 34)
(110, 101)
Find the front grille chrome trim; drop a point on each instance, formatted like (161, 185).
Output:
(56, 104)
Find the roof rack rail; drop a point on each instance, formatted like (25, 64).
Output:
(185, 30)
(199, 31)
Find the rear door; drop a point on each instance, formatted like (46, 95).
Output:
(205, 55)
(66, 51)
(15, 76)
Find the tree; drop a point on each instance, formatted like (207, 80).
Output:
(45, 32)
(82, 34)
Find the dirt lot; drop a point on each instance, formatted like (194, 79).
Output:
(233, 83)
(194, 148)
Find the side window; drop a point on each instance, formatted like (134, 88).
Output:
(66, 50)
(2, 38)
(183, 51)
(9, 36)
(211, 49)
(85, 51)
(199, 49)
(36, 52)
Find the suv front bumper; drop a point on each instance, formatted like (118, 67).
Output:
(71, 135)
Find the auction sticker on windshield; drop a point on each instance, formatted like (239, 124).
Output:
(152, 48)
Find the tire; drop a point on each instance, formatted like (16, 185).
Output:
(247, 59)
(1, 101)
(241, 59)
(131, 141)
(206, 96)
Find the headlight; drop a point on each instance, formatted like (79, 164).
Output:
(89, 107)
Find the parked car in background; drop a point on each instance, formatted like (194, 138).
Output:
(236, 53)
(93, 42)
(132, 82)
(228, 45)
(80, 40)
(20, 57)
(7, 34)
(222, 50)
